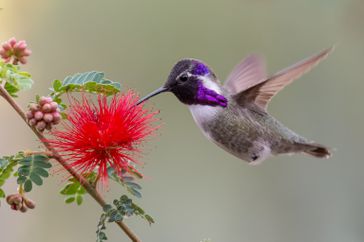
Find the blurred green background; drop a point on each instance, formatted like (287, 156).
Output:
(193, 189)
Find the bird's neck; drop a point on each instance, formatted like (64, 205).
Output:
(210, 93)
(212, 101)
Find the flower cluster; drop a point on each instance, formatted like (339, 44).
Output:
(18, 202)
(44, 114)
(103, 135)
(15, 51)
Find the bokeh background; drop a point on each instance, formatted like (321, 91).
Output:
(195, 190)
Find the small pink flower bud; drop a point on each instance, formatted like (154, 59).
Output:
(47, 108)
(6, 47)
(29, 203)
(15, 201)
(14, 50)
(23, 209)
(12, 41)
(38, 115)
(41, 125)
(56, 117)
(48, 117)
(29, 114)
(15, 207)
(32, 122)
(54, 106)
(34, 107)
(43, 100)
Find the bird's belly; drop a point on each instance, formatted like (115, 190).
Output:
(231, 133)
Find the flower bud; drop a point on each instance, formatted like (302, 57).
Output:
(54, 106)
(48, 117)
(33, 107)
(41, 125)
(46, 108)
(15, 207)
(29, 114)
(15, 201)
(23, 209)
(43, 100)
(56, 116)
(14, 50)
(32, 122)
(44, 114)
(38, 115)
(29, 203)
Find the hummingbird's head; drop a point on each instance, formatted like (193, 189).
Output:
(192, 82)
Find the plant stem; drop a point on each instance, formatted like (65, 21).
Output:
(55, 155)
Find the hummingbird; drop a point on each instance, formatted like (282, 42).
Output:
(234, 115)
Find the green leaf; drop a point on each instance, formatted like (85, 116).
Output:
(25, 83)
(33, 169)
(149, 219)
(2, 193)
(57, 84)
(70, 189)
(91, 82)
(126, 181)
(122, 207)
(41, 172)
(16, 80)
(7, 164)
(69, 200)
(28, 185)
(79, 199)
(36, 179)
(74, 190)
(21, 179)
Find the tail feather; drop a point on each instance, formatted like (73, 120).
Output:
(315, 150)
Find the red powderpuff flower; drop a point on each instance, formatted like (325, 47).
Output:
(15, 50)
(104, 134)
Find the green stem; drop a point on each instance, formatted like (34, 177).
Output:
(55, 155)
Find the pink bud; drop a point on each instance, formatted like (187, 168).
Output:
(21, 45)
(6, 46)
(48, 117)
(12, 41)
(47, 108)
(43, 100)
(33, 107)
(41, 125)
(27, 52)
(29, 203)
(23, 209)
(15, 51)
(32, 122)
(38, 115)
(29, 114)
(56, 117)
(23, 60)
(54, 106)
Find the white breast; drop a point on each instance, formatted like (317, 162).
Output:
(204, 113)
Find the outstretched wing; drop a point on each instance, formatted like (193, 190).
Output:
(248, 73)
(263, 92)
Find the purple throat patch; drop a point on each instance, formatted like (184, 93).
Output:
(209, 97)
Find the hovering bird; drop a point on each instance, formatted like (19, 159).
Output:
(234, 115)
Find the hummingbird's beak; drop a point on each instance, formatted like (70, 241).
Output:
(152, 94)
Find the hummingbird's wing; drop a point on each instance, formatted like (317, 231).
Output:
(248, 73)
(263, 92)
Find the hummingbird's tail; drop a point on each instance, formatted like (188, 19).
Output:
(314, 149)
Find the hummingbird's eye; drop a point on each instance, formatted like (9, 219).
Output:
(183, 77)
